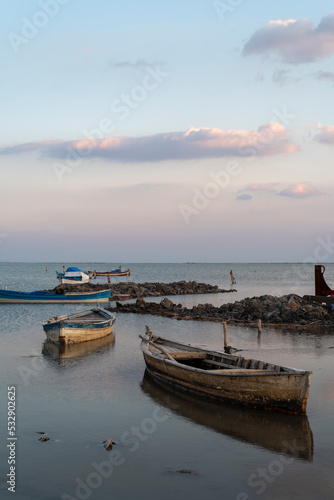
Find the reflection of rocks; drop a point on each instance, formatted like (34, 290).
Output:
(289, 309)
(130, 290)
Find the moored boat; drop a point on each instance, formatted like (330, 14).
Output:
(40, 297)
(114, 272)
(73, 276)
(225, 377)
(80, 327)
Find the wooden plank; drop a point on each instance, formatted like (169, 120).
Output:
(319, 298)
(188, 355)
(217, 363)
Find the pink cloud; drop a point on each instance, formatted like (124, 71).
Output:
(326, 134)
(269, 139)
(295, 41)
(301, 190)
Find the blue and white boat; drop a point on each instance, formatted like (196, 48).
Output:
(80, 327)
(39, 297)
(73, 276)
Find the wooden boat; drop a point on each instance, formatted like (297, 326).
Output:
(323, 293)
(225, 377)
(80, 327)
(73, 276)
(115, 272)
(40, 297)
(274, 431)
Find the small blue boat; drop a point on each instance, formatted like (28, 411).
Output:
(82, 326)
(40, 297)
(73, 275)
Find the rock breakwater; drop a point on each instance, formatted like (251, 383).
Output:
(287, 310)
(131, 290)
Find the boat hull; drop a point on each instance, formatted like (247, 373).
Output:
(66, 333)
(271, 391)
(13, 297)
(109, 273)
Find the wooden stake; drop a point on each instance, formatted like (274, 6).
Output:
(108, 278)
(259, 326)
(225, 335)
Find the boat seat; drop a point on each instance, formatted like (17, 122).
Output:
(218, 363)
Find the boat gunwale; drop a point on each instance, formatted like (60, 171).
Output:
(227, 372)
(66, 319)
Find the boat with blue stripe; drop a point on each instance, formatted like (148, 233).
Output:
(82, 326)
(41, 297)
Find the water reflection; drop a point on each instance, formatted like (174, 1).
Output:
(279, 432)
(67, 353)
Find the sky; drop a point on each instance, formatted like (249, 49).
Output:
(179, 131)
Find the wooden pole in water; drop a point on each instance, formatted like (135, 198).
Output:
(94, 274)
(259, 327)
(108, 278)
(225, 335)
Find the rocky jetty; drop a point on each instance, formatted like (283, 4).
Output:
(287, 310)
(131, 290)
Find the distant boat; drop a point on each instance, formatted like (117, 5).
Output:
(224, 377)
(80, 327)
(73, 276)
(115, 272)
(40, 297)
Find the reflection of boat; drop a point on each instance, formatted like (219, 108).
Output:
(71, 352)
(224, 377)
(115, 272)
(40, 297)
(73, 276)
(82, 326)
(323, 293)
(279, 432)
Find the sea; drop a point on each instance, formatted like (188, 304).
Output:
(167, 445)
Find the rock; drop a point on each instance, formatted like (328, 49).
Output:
(141, 303)
(43, 439)
(166, 303)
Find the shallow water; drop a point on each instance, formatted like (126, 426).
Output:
(168, 446)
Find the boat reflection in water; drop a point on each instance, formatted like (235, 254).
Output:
(274, 431)
(74, 352)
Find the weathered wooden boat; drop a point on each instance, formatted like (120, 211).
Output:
(323, 293)
(40, 297)
(114, 272)
(73, 276)
(225, 377)
(276, 431)
(80, 327)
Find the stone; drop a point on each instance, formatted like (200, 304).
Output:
(166, 303)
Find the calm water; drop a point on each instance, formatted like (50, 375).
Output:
(99, 390)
